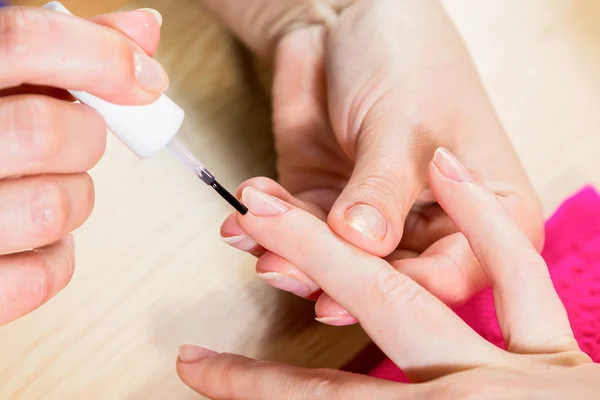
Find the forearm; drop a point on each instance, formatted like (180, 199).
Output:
(261, 23)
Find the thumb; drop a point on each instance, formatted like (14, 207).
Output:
(229, 376)
(387, 179)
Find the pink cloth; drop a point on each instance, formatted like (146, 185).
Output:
(572, 252)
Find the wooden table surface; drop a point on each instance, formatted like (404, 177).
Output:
(151, 270)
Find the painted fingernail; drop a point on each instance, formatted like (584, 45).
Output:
(71, 241)
(154, 13)
(337, 321)
(243, 242)
(261, 204)
(285, 283)
(450, 166)
(367, 221)
(150, 74)
(191, 354)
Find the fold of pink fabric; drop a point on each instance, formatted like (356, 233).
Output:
(572, 251)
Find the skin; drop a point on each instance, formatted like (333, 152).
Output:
(46, 192)
(361, 99)
(424, 337)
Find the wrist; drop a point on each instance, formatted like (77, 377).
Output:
(261, 24)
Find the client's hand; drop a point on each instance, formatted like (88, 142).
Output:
(359, 106)
(416, 330)
(47, 142)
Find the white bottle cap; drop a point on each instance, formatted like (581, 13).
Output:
(143, 129)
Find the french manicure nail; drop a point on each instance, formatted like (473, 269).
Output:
(261, 204)
(154, 13)
(450, 166)
(150, 74)
(191, 354)
(337, 321)
(367, 221)
(285, 283)
(242, 242)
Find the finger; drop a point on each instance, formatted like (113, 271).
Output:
(448, 269)
(408, 323)
(274, 270)
(530, 313)
(372, 208)
(37, 211)
(424, 226)
(273, 188)
(281, 274)
(142, 26)
(36, 42)
(329, 312)
(234, 235)
(229, 376)
(28, 280)
(139, 26)
(40, 134)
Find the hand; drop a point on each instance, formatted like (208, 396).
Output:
(417, 331)
(359, 107)
(47, 142)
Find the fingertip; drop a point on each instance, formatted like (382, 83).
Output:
(281, 274)
(365, 227)
(337, 321)
(141, 26)
(329, 312)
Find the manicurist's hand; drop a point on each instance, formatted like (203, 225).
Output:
(416, 330)
(364, 92)
(47, 142)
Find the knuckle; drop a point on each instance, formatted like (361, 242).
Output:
(17, 24)
(232, 371)
(391, 289)
(34, 125)
(322, 385)
(12, 24)
(378, 186)
(49, 211)
(458, 389)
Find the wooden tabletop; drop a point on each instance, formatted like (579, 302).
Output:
(151, 270)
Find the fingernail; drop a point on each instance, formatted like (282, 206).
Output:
(450, 167)
(71, 241)
(154, 13)
(191, 354)
(261, 204)
(367, 220)
(243, 242)
(285, 283)
(150, 74)
(337, 321)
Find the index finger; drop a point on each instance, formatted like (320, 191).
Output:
(43, 47)
(409, 324)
